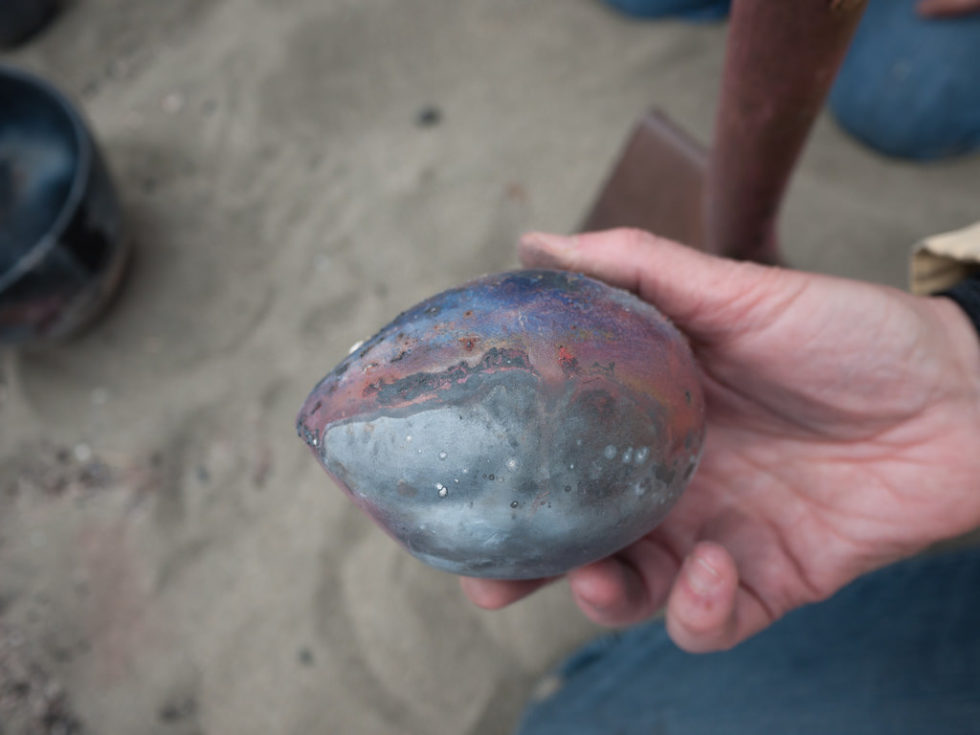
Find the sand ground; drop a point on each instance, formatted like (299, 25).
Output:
(172, 560)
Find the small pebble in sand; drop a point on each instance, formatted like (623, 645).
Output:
(428, 117)
(173, 103)
(178, 710)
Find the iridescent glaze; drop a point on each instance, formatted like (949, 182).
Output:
(515, 427)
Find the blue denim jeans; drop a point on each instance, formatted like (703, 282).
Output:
(896, 652)
(909, 86)
(687, 9)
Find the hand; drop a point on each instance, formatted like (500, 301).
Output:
(947, 8)
(842, 435)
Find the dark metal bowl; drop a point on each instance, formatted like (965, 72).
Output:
(21, 19)
(61, 248)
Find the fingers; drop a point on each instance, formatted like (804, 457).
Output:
(609, 592)
(626, 588)
(493, 594)
(704, 294)
(701, 609)
(620, 590)
(707, 610)
(620, 257)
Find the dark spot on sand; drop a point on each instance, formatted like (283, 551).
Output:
(178, 710)
(428, 117)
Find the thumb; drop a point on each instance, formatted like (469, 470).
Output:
(705, 295)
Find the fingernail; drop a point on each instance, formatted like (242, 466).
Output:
(595, 607)
(548, 241)
(587, 598)
(702, 577)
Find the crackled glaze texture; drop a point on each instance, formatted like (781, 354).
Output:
(515, 427)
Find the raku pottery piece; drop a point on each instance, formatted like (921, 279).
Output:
(515, 427)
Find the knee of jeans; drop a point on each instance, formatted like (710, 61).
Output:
(908, 112)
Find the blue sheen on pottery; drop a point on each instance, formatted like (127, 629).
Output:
(515, 427)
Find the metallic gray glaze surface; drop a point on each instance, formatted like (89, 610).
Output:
(516, 462)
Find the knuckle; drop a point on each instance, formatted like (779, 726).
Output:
(637, 238)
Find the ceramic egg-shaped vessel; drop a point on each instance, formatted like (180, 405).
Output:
(515, 427)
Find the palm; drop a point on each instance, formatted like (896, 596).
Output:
(824, 453)
(836, 416)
